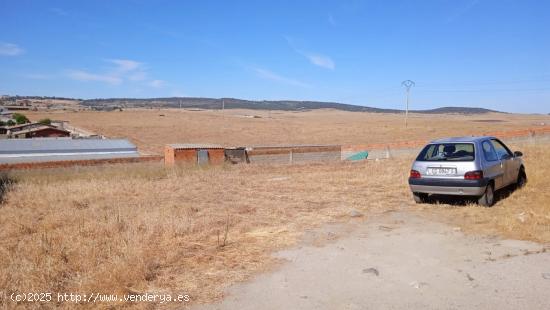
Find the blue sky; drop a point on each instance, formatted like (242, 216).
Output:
(483, 53)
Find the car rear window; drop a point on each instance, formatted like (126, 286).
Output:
(447, 152)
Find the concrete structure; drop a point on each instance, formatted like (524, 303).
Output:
(216, 154)
(194, 154)
(62, 149)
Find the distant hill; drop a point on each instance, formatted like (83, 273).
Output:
(232, 103)
(457, 110)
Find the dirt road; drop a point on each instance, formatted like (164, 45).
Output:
(400, 261)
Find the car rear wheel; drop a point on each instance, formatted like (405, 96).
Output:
(488, 198)
(420, 197)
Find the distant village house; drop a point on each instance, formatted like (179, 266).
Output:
(40, 131)
(5, 114)
(9, 130)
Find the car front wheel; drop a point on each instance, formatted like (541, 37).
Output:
(522, 179)
(488, 198)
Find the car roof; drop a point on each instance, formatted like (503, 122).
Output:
(465, 139)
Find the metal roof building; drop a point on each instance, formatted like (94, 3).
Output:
(187, 146)
(58, 149)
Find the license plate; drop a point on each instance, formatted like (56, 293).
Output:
(441, 171)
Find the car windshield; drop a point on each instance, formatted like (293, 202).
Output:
(447, 152)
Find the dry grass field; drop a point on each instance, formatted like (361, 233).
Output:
(143, 228)
(150, 130)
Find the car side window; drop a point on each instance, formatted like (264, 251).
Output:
(489, 151)
(501, 150)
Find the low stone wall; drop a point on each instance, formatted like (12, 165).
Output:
(294, 154)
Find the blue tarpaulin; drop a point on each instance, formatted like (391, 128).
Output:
(359, 156)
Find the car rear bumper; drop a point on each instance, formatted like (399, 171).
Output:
(448, 186)
(448, 190)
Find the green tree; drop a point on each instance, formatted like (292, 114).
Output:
(20, 118)
(10, 122)
(2, 123)
(45, 121)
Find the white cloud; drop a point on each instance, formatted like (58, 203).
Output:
(157, 83)
(317, 59)
(125, 65)
(81, 75)
(269, 75)
(320, 60)
(119, 71)
(10, 49)
(133, 70)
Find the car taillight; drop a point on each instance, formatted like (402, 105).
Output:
(415, 174)
(473, 175)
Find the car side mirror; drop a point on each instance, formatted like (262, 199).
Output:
(518, 154)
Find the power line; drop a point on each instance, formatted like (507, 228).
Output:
(543, 78)
(484, 90)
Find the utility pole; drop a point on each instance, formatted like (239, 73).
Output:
(223, 122)
(407, 84)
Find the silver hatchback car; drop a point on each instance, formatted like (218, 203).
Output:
(466, 166)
